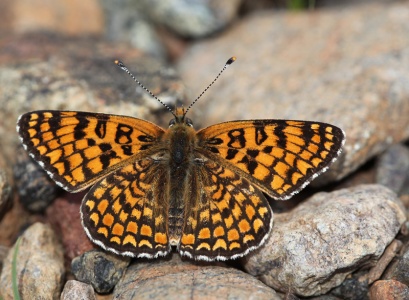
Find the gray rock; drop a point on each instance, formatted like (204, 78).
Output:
(100, 269)
(35, 188)
(393, 167)
(124, 23)
(39, 265)
(335, 71)
(177, 279)
(191, 18)
(314, 247)
(74, 289)
(399, 269)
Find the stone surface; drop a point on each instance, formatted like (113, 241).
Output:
(63, 17)
(5, 185)
(390, 253)
(314, 247)
(399, 269)
(326, 66)
(123, 22)
(191, 18)
(176, 279)
(39, 265)
(64, 215)
(5, 193)
(46, 72)
(14, 221)
(389, 290)
(100, 269)
(35, 188)
(74, 289)
(353, 287)
(393, 167)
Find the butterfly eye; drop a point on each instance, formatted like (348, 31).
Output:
(189, 122)
(172, 122)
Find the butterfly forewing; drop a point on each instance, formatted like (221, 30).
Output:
(278, 156)
(79, 148)
(225, 217)
(127, 212)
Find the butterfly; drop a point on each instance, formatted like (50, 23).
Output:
(200, 191)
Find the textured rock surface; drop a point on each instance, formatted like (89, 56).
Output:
(176, 279)
(80, 76)
(399, 270)
(74, 289)
(389, 290)
(317, 245)
(393, 167)
(35, 188)
(100, 269)
(327, 66)
(64, 215)
(39, 265)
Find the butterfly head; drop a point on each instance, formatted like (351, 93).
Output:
(180, 118)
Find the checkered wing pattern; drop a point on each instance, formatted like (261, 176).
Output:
(226, 216)
(127, 212)
(280, 157)
(78, 148)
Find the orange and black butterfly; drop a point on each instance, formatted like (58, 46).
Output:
(153, 188)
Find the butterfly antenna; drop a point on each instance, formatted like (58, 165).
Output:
(228, 63)
(124, 68)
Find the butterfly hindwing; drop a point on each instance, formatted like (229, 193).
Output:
(278, 156)
(226, 217)
(79, 148)
(127, 212)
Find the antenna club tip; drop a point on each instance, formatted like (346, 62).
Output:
(118, 63)
(231, 60)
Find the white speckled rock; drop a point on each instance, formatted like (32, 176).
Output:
(317, 245)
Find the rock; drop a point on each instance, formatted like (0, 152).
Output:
(125, 23)
(64, 215)
(393, 167)
(74, 289)
(335, 71)
(388, 290)
(35, 188)
(14, 221)
(352, 287)
(314, 247)
(5, 193)
(5, 185)
(3, 254)
(63, 17)
(39, 265)
(191, 18)
(100, 269)
(80, 76)
(177, 279)
(398, 270)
